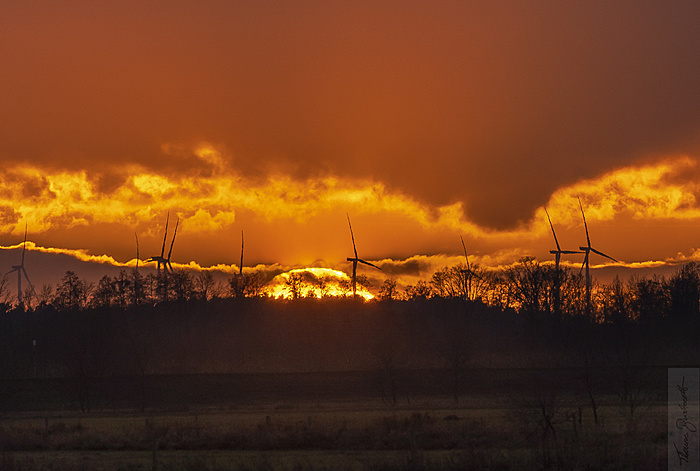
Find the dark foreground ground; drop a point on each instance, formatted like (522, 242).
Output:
(389, 419)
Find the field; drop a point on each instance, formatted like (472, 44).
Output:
(502, 419)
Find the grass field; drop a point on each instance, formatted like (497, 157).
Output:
(504, 420)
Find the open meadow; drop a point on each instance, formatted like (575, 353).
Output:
(505, 419)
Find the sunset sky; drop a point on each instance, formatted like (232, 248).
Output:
(422, 120)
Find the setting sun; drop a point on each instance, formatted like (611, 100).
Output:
(313, 282)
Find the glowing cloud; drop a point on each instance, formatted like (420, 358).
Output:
(654, 191)
(50, 199)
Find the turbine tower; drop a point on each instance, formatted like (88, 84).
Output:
(237, 281)
(240, 267)
(557, 258)
(467, 272)
(21, 271)
(586, 263)
(137, 251)
(355, 261)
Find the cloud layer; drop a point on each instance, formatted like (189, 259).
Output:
(495, 105)
(296, 223)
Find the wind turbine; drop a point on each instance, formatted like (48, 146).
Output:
(356, 260)
(587, 250)
(557, 258)
(21, 270)
(160, 259)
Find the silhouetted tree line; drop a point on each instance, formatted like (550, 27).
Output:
(528, 286)
(134, 324)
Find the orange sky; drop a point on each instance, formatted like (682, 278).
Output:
(422, 120)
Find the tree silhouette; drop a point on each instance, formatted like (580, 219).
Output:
(388, 290)
(421, 290)
(530, 284)
(295, 283)
(105, 292)
(204, 285)
(72, 293)
(136, 288)
(684, 292)
(649, 298)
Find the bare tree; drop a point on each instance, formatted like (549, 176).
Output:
(137, 287)
(5, 295)
(450, 282)
(542, 414)
(104, 293)
(295, 283)
(613, 302)
(420, 290)
(388, 290)
(204, 285)
(649, 298)
(248, 285)
(29, 298)
(72, 293)
(684, 292)
(46, 295)
(322, 286)
(530, 285)
(181, 285)
(122, 286)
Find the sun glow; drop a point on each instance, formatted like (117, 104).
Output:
(313, 283)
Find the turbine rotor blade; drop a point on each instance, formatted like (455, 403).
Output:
(165, 236)
(352, 235)
(588, 239)
(173, 241)
(465, 251)
(570, 251)
(27, 277)
(585, 262)
(553, 233)
(602, 254)
(368, 263)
